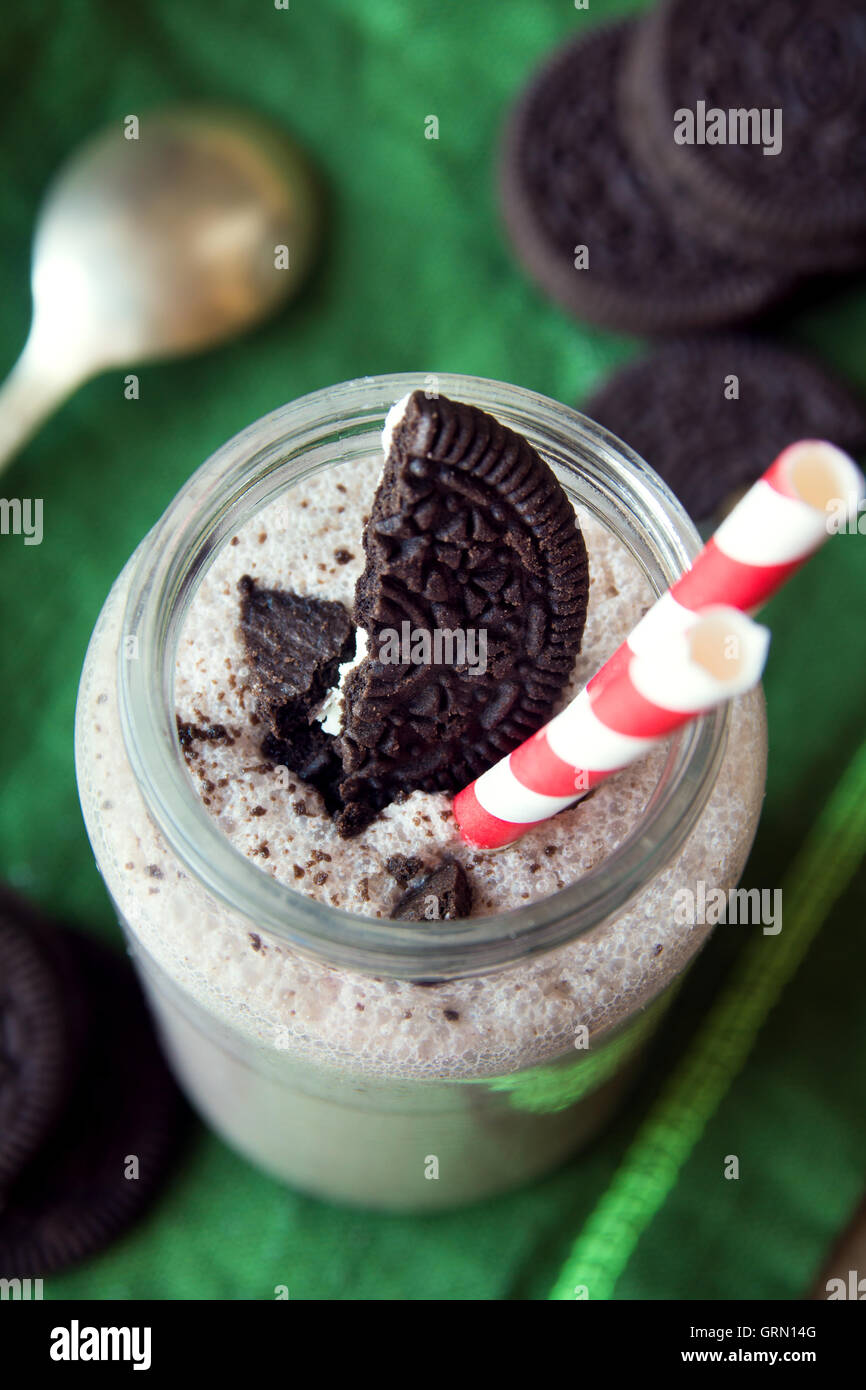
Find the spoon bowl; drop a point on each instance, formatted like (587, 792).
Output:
(159, 245)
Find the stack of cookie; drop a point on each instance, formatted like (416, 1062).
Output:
(90, 1117)
(683, 171)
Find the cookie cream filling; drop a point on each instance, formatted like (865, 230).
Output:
(392, 420)
(330, 714)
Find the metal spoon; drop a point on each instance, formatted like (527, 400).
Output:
(156, 246)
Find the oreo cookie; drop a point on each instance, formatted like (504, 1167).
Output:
(473, 598)
(442, 895)
(710, 414)
(313, 755)
(294, 645)
(589, 223)
(117, 1138)
(37, 1053)
(706, 89)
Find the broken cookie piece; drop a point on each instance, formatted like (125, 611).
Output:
(294, 645)
(443, 895)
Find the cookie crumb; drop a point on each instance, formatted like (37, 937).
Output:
(403, 867)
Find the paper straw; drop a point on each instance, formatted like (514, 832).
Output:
(683, 675)
(773, 530)
(775, 527)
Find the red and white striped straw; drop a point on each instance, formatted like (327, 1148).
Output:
(681, 675)
(773, 529)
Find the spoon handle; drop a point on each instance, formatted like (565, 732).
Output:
(31, 392)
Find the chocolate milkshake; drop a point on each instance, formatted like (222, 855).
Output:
(405, 1064)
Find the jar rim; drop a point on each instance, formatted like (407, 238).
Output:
(256, 466)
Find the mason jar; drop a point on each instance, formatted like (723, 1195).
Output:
(310, 1037)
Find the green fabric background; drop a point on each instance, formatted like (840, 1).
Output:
(415, 276)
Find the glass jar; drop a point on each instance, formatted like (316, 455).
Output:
(258, 990)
